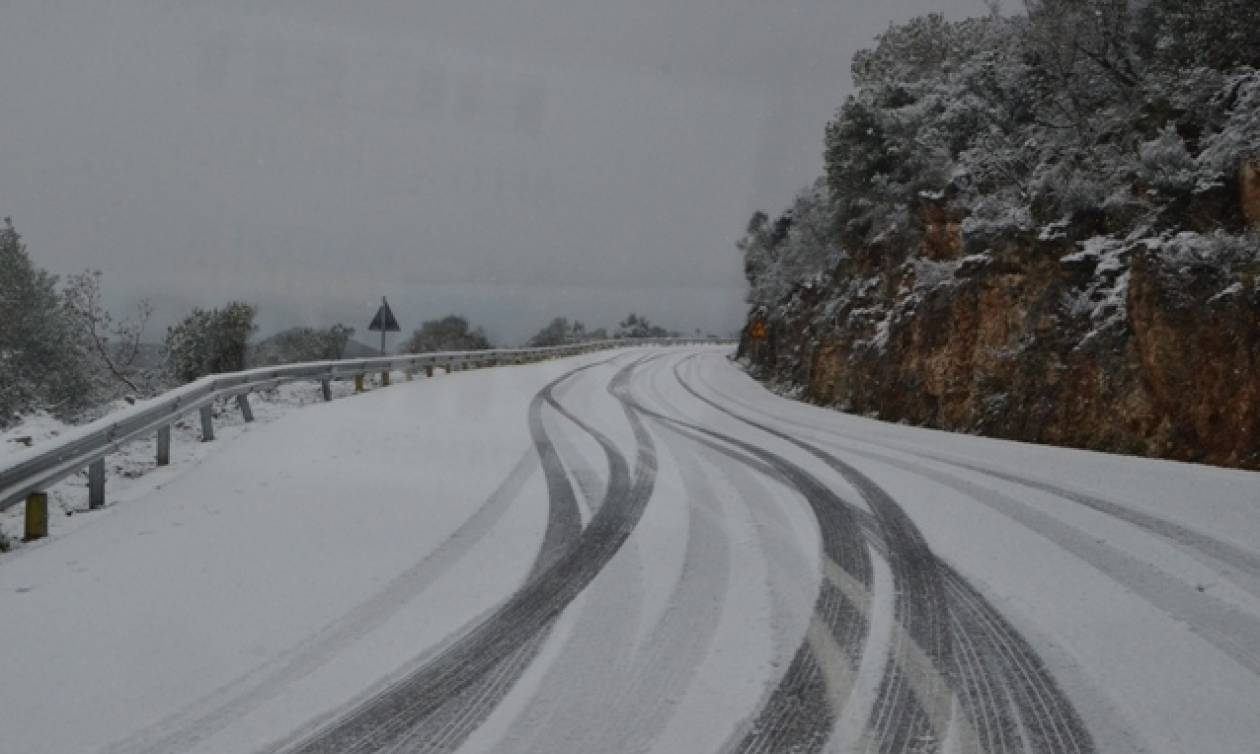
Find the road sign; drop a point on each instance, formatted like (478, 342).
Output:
(384, 322)
(757, 331)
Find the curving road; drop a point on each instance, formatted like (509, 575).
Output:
(688, 563)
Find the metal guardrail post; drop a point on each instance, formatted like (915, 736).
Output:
(96, 484)
(358, 383)
(247, 413)
(36, 518)
(325, 387)
(164, 445)
(207, 424)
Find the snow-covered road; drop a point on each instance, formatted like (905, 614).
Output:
(638, 551)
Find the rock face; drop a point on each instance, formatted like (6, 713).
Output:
(1249, 188)
(1148, 346)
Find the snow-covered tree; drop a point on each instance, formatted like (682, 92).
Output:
(451, 333)
(558, 332)
(1100, 115)
(797, 246)
(635, 326)
(303, 344)
(210, 341)
(112, 345)
(1220, 34)
(41, 364)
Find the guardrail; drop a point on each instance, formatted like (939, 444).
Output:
(29, 473)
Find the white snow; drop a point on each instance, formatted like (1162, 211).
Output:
(1129, 622)
(201, 580)
(271, 577)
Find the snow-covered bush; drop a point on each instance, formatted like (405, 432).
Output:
(1165, 164)
(1188, 252)
(210, 342)
(636, 326)
(451, 333)
(1238, 137)
(559, 332)
(303, 344)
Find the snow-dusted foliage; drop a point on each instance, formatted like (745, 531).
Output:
(210, 341)
(451, 333)
(302, 344)
(1077, 119)
(793, 249)
(558, 332)
(41, 362)
(638, 326)
(113, 347)
(1040, 227)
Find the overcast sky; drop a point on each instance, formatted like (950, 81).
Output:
(508, 161)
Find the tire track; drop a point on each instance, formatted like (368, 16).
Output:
(901, 717)
(668, 657)
(799, 714)
(447, 726)
(207, 717)
(1001, 683)
(1224, 552)
(1231, 631)
(1205, 545)
(384, 718)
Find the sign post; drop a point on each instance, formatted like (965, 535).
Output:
(384, 322)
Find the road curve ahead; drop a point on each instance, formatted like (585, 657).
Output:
(652, 553)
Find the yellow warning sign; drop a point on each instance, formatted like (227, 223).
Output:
(757, 331)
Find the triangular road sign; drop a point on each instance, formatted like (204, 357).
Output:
(384, 320)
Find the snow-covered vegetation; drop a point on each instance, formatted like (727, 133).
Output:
(1098, 116)
(65, 357)
(451, 333)
(1040, 226)
(560, 331)
(44, 362)
(303, 344)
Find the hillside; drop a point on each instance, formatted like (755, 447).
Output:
(1040, 228)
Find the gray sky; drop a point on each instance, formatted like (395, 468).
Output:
(509, 161)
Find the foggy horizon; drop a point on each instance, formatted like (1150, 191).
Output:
(508, 164)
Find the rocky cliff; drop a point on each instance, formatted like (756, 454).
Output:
(1041, 227)
(1145, 343)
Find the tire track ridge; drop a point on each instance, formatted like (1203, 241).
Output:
(802, 687)
(1020, 677)
(518, 619)
(920, 593)
(448, 725)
